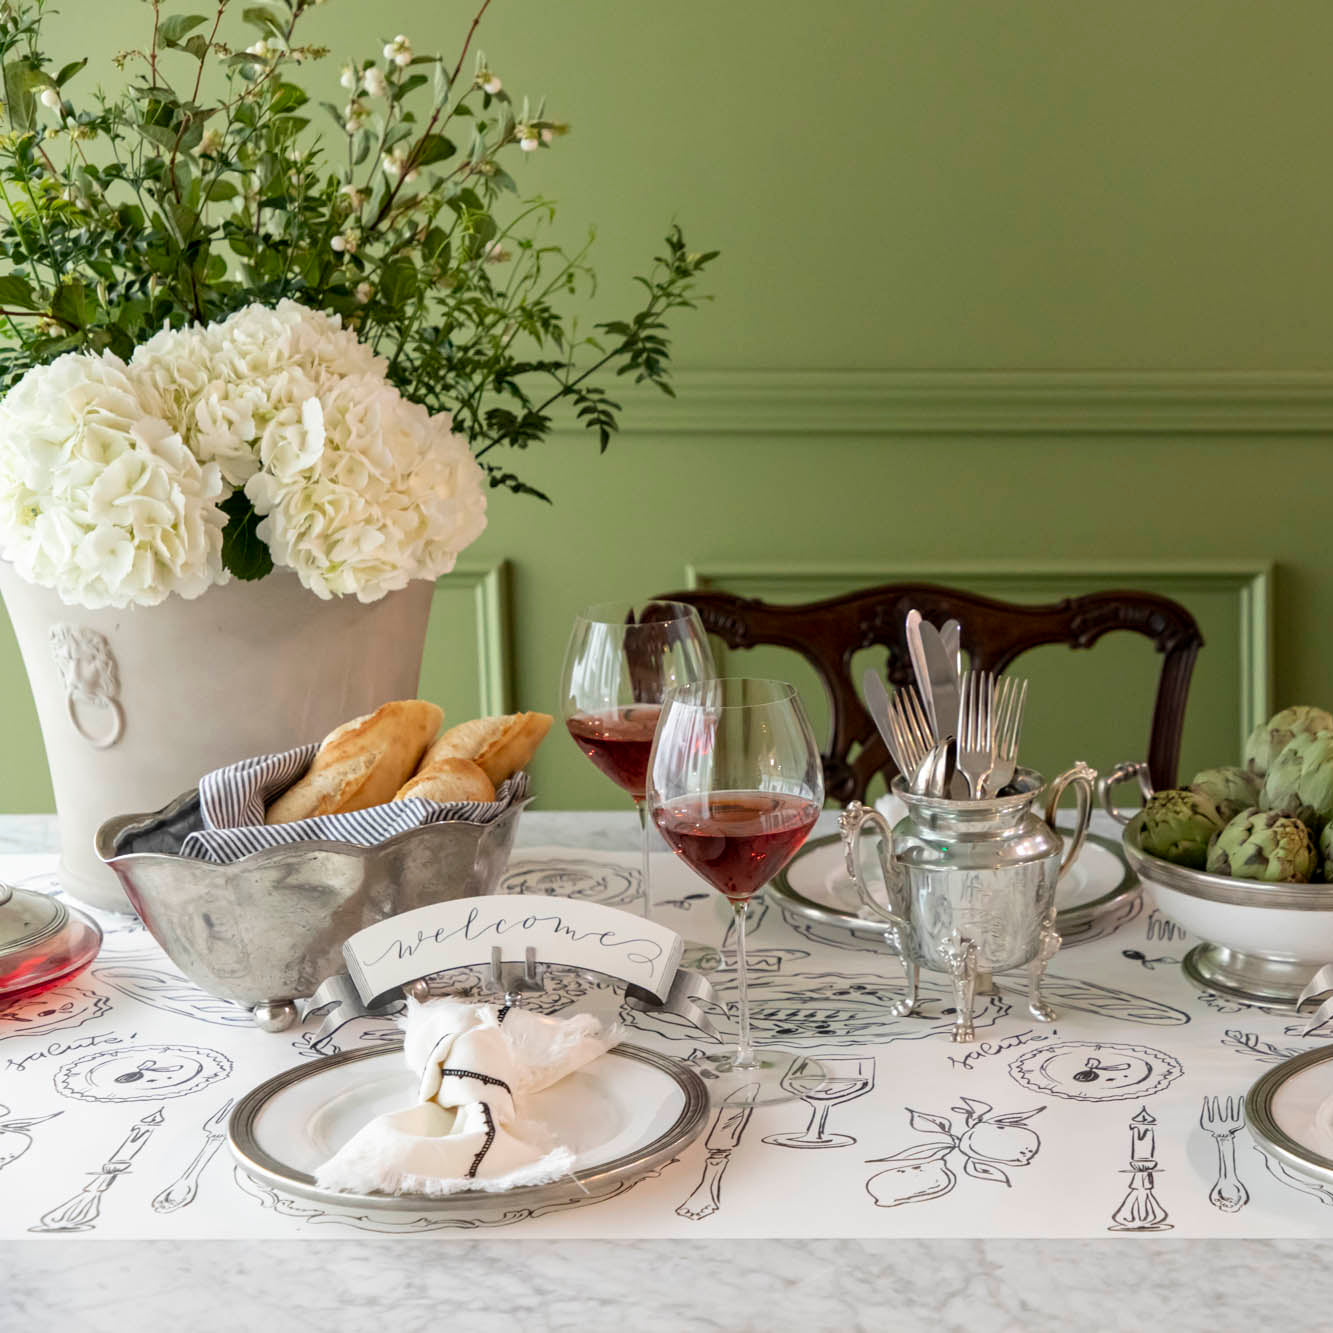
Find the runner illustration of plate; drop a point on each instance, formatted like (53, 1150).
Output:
(1095, 1071)
(1289, 1112)
(141, 1073)
(1097, 894)
(624, 1115)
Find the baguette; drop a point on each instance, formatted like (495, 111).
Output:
(361, 763)
(500, 746)
(448, 780)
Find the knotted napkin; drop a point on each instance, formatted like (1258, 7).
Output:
(232, 802)
(472, 1127)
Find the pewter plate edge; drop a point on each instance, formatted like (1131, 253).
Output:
(257, 1163)
(1265, 1130)
(1071, 923)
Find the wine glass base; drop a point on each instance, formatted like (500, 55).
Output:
(757, 1084)
(801, 1141)
(699, 957)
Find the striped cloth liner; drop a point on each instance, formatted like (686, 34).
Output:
(232, 802)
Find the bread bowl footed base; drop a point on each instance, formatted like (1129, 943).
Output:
(266, 930)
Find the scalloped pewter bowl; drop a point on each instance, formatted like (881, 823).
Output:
(1263, 941)
(267, 929)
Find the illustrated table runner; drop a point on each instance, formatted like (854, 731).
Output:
(115, 1090)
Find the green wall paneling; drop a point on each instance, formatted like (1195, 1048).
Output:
(467, 667)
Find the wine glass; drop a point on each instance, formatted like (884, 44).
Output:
(735, 786)
(822, 1084)
(621, 660)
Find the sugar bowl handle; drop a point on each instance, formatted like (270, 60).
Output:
(1082, 777)
(852, 823)
(1123, 773)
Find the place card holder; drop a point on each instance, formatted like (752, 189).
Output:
(515, 937)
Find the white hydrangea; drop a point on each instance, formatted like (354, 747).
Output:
(98, 499)
(111, 475)
(366, 493)
(222, 385)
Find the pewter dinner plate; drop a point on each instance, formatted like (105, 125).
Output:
(624, 1115)
(1096, 895)
(1290, 1114)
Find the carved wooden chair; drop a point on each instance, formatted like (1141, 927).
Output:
(828, 633)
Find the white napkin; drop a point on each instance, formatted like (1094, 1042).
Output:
(471, 1127)
(892, 808)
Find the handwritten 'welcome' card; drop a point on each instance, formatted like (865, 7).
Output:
(464, 933)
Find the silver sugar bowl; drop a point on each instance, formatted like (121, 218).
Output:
(971, 884)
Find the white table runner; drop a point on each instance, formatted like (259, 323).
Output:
(1026, 1133)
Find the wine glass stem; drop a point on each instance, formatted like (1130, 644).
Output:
(823, 1122)
(745, 1058)
(644, 900)
(811, 1135)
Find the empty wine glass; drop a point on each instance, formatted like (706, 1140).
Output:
(735, 786)
(822, 1084)
(622, 659)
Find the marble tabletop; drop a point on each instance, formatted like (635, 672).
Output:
(979, 1285)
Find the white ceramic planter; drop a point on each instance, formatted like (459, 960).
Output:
(136, 705)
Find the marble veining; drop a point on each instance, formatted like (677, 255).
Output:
(1112, 1286)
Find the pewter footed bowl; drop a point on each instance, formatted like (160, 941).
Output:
(1262, 941)
(267, 929)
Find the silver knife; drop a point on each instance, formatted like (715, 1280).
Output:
(877, 703)
(917, 653)
(732, 1117)
(943, 671)
(952, 634)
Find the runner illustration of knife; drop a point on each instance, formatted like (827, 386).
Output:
(732, 1117)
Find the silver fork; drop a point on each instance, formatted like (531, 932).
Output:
(910, 729)
(1011, 694)
(976, 730)
(1223, 1122)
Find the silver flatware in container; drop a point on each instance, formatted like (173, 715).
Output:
(952, 634)
(976, 732)
(971, 884)
(916, 653)
(877, 705)
(943, 669)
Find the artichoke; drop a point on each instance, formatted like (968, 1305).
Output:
(1230, 789)
(1300, 782)
(1269, 738)
(1177, 826)
(1262, 844)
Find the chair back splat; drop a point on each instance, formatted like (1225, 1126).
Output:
(828, 633)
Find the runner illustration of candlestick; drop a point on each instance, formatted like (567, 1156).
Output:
(1139, 1210)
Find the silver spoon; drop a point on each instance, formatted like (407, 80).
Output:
(932, 774)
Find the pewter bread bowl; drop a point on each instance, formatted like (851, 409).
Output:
(1262, 941)
(264, 931)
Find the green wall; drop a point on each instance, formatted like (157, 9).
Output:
(1006, 290)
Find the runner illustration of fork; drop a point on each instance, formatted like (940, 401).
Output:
(1222, 1121)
